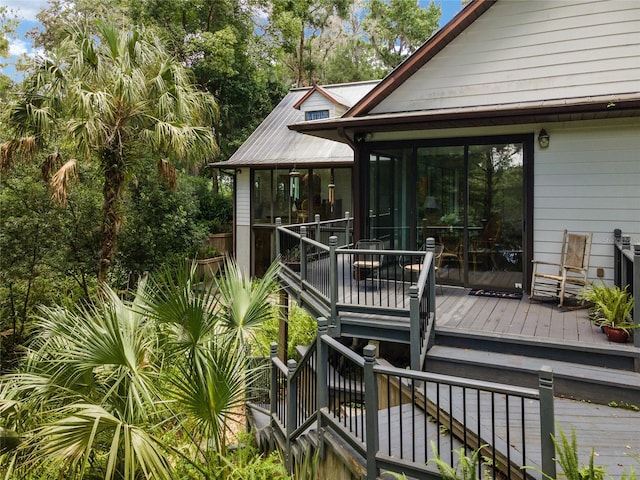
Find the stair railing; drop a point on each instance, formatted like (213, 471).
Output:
(387, 414)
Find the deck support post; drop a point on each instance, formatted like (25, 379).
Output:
(322, 400)
(283, 324)
(547, 421)
(278, 225)
(431, 285)
(317, 232)
(303, 257)
(617, 257)
(273, 353)
(347, 236)
(414, 327)
(636, 296)
(292, 389)
(371, 411)
(333, 282)
(624, 267)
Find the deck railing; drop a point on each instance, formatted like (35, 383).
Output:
(626, 272)
(397, 419)
(398, 285)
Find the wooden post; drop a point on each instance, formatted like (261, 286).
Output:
(371, 411)
(291, 410)
(322, 379)
(431, 284)
(278, 225)
(273, 390)
(303, 256)
(414, 326)
(317, 219)
(333, 281)
(624, 269)
(283, 325)
(617, 257)
(547, 421)
(347, 230)
(636, 296)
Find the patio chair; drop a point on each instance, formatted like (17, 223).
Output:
(368, 264)
(568, 277)
(416, 268)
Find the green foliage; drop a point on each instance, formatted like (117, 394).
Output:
(246, 463)
(302, 330)
(113, 97)
(567, 458)
(612, 306)
(128, 390)
(398, 27)
(160, 227)
(466, 467)
(46, 252)
(215, 209)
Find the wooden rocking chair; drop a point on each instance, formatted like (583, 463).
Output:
(567, 278)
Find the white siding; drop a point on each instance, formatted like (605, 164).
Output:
(243, 218)
(316, 102)
(588, 180)
(520, 51)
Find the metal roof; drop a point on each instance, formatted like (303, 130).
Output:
(273, 144)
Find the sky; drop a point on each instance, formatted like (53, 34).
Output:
(26, 11)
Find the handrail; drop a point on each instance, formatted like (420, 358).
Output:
(347, 280)
(449, 409)
(626, 273)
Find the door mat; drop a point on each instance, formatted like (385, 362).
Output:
(481, 292)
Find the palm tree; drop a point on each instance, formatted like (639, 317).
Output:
(109, 97)
(107, 389)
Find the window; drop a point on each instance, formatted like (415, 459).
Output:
(316, 114)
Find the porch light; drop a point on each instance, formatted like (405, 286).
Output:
(543, 138)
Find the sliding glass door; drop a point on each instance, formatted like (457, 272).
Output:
(469, 197)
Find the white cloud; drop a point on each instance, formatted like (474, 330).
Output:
(18, 47)
(25, 9)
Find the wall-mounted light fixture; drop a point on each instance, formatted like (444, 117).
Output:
(543, 138)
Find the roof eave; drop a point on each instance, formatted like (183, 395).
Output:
(609, 106)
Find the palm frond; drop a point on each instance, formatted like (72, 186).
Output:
(25, 147)
(51, 164)
(245, 301)
(61, 181)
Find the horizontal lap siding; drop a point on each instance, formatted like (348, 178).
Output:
(527, 51)
(243, 218)
(588, 180)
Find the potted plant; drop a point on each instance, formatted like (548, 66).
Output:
(612, 310)
(591, 296)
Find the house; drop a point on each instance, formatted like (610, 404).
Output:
(515, 121)
(280, 173)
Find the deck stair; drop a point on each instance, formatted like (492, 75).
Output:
(592, 373)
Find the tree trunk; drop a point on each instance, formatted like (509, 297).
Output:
(114, 178)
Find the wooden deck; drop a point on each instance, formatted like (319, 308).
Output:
(542, 320)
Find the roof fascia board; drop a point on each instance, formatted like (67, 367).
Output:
(415, 61)
(320, 90)
(607, 106)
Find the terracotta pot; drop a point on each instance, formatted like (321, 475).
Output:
(616, 334)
